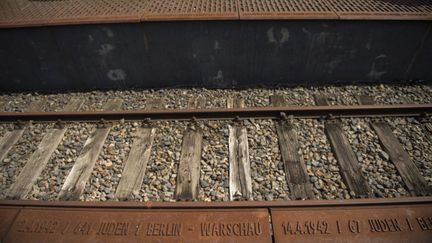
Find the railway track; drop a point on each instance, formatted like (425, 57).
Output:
(202, 167)
(236, 164)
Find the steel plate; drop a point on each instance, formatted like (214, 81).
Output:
(85, 225)
(285, 9)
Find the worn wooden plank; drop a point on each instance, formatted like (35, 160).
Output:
(321, 100)
(74, 104)
(155, 103)
(2, 105)
(240, 171)
(350, 167)
(190, 159)
(113, 104)
(428, 127)
(410, 174)
(197, 102)
(136, 164)
(294, 165)
(407, 100)
(10, 138)
(81, 171)
(39, 159)
(277, 100)
(190, 166)
(414, 181)
(37, 105)
(235, 102)
(365, 100)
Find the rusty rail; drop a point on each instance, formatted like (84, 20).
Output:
(215, 205)
(413, 110)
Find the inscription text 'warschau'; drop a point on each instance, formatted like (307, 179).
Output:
(231, 229)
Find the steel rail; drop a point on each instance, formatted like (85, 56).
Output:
(400, 110)
(207, 205)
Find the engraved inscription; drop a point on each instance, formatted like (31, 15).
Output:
(37, 226)
(384, 225)
(375, 225)
(231, 229)
(163, 229)
(425, 223)
(113, 228)
(307, 227)
(334, 224)
(182, 226)
(82, 228)
(354, 226)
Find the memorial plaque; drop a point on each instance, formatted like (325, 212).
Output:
(96, 225)
(392, 223)
(7, 216)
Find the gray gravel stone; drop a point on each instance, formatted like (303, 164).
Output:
(214, 162)
(161, 173)
(265, 158)
(318, 157)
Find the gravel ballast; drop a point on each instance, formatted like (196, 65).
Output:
(178, 98)
(267, 169)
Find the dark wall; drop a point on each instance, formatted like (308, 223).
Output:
(213, 54)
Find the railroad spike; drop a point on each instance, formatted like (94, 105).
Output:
(59, 124)
(290, 121)
(20, 124)
(102, 123)
(146, 122)
(330, 118)
(425, 118)
(238, 121)
(193, 125)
